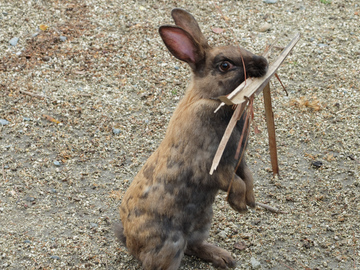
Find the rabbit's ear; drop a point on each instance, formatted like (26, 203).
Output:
(182, 45)
(187, 22)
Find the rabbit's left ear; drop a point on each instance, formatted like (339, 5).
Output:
(187, 22)
(182, 45)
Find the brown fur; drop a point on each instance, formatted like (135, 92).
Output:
(167, 210)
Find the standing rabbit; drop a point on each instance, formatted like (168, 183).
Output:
(167, 210)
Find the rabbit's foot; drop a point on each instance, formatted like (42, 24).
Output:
(240, 202)
(237, 202)
(211, 253)
(237, 197)
(246, 176)
(250, 198)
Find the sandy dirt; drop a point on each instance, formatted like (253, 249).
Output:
(87, 90)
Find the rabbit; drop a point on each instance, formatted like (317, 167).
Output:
(167, 210)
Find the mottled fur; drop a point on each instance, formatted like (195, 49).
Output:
(167, 210)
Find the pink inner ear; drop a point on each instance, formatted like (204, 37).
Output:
(180, 44)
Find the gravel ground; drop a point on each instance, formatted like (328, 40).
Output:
(86, 93)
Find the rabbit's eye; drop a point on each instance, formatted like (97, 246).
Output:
(225, 66)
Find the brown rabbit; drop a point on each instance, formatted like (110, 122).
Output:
(167, 210)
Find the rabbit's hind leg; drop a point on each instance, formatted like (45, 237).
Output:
(211, 253)
(166, 256)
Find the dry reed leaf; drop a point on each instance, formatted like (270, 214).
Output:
(240, 245)
(51, 119)
(330, 157)
(43, 27)
(235, 117)
(271, 129)
(256, 85)
(306, 102)
(242, 94)
(116, 194)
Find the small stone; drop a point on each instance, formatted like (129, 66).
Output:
(14, 41)
(240, 245)
(322, 45)
(255, 263)
(18, 53)
(62, 38)
(309, 226)
(93, 225)
(55, 257)
(265, 27)
(222, 234)
(27, 242)
(57, 163)
(269, 1)
(30, 199)
(116, 131)
(317, 164)
(4, 122)
(26, 119)
(35, 34)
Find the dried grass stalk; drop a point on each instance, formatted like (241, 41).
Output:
(236, 116)
(271, 129)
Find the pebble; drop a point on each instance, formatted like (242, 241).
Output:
(322, 45)
(62, 38)
(255, 263)
(26, 119)
(56, 163)
(14, 41)
(93, 225)
(264, 27)
(269, 1)
(55, 257)
(27, 242)
(222, 234)
(116, 131)
(4, 122)
(317, 164)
